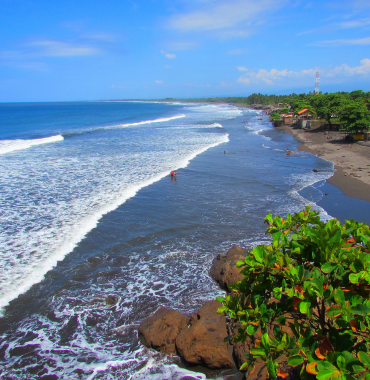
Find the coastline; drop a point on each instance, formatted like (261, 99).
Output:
(352, 172)
(351, 160)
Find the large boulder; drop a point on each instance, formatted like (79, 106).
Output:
(203, 342)
(160, 330)
(224, 270)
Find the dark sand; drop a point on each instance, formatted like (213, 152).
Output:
(351, 160)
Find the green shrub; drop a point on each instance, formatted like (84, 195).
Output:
(275, 116)
(317, 274)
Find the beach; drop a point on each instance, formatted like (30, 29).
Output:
(351, 160)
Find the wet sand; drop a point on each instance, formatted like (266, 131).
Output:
(351, 160)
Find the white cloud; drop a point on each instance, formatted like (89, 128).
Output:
(244, 80)
(362, 3)
(182, 45)
(49, 48)
(168, 55)
(275, 76)
(265, 76)
(159, 81)
(345, 70)
(223, 14)
(355, 23)
(241, 68)
(118, 86)
(100, 37)
(237, 51)
(359, 41)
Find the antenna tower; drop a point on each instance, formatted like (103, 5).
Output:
(317, 90)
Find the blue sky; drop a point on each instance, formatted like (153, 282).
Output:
(136, 49)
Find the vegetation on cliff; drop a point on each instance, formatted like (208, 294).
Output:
(314, 277)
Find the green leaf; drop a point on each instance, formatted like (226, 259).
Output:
(259, 253)
(334, 311)
(327, 371)
(271, 369)
(282, 320)
(354, 278)
(228, 338)
(265, 342)
(364, 358)
(328, 267)
(341, 362)
(244, 366)
(220, 299)
(360, 310)
(257, 352)
(251, 329)
(295, 360)
(240, 263)
(304, 307)
(339, 297)
(221, 309)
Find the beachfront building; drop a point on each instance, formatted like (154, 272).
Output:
(304, 117)
(305, 113)
(288, 119)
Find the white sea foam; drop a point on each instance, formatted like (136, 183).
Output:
(7, 146)
(160, 120)
(50, 205)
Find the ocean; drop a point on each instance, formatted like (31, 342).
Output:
(95, 235)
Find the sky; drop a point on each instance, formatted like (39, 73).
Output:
(153, 49)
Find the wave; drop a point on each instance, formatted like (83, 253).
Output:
(117, 126)
(216, 125)
(146, 122)
(75, 233)
(7, 146)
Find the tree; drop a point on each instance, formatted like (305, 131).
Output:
(283, 110)
(355, 117)
(328, 105)
(299, 104)
(357, 94)
(314, 277)
(275, 116)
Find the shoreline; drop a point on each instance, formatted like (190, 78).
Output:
(351, 160)
(354, 183)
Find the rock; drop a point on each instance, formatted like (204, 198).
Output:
(203, 342)
(68, 330)
(315, 170)
(23, 350)
(160, 330)
(224, 270)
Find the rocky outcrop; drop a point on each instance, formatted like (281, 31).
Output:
(160, 330)
(203, 342)
(224, 270)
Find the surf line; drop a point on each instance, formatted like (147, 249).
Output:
(8, 146)
(148, 121)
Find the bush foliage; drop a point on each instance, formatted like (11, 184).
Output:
(314, 277)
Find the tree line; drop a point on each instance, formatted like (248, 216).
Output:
(351, 110)
(271, 99)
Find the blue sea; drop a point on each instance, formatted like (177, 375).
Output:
(95, 235)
